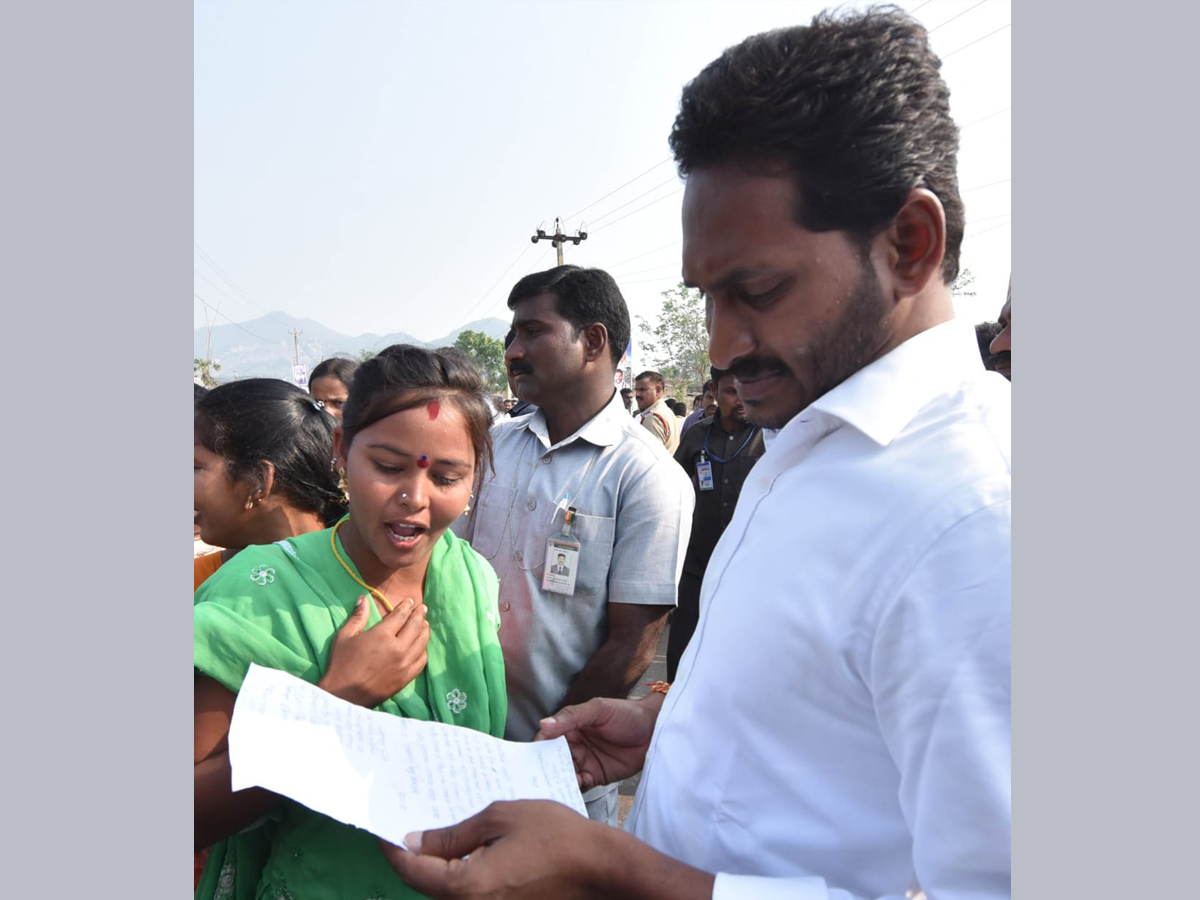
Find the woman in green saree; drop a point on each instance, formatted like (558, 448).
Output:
(414, 439)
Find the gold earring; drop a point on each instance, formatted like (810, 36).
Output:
(249, 504)
(343, 487)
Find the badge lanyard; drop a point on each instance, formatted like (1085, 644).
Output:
(704, 473)
(530, 438)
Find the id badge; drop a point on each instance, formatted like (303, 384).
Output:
(562, 563)
(704, 476)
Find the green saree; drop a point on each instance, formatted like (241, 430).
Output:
(280, 606)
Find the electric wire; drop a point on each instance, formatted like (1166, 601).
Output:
(647, 253)
(233, 323)
(640, 208)
(984, 118)
(625, 185)
(952, 18)
(467, 318)
(634, 200)
(980, 187)
(976, 41)
(986, 230)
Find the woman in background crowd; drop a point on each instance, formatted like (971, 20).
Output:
(261, 467)
(261, 472)
(330, 383)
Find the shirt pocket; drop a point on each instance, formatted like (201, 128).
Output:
(491, 519)
(595, 535)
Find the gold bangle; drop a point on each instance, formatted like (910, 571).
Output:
(658, 687)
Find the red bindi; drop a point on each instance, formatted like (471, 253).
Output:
(423, 462)
(434, 408)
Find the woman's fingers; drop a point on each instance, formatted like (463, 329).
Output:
(358, 619)
(394, 621)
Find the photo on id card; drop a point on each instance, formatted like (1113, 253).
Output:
(562, 561)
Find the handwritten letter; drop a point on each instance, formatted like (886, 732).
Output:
(380, 772)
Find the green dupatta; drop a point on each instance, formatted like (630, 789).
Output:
(280, 606)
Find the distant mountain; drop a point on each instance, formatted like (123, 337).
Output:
(493, 328)
(263, 347)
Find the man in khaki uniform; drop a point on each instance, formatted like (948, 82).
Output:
(653, 412)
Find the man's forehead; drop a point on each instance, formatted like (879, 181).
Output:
(729, 216)
(538, 308)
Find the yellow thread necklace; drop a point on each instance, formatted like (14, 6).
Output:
(333, 546)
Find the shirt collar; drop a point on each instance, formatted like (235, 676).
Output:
(881, 398)
(736, 431)
(603, 429)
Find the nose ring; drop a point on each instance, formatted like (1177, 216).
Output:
(404, 496)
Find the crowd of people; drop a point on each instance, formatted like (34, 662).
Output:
(827, 531)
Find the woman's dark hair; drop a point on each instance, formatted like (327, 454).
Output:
(335, 367)
(852, 106)
(403, 377)
(259, 420)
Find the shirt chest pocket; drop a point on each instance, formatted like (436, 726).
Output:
(491, 520)
(595, 535)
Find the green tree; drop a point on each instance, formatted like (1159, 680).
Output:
(205, 369)
(488, 354)
(364, 354)
(676, 343)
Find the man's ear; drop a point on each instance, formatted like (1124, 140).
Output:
(915, 243)
(595, 342)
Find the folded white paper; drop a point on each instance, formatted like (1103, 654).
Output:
(383, 773)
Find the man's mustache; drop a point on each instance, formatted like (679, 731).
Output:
(753, 367)
(519, 367)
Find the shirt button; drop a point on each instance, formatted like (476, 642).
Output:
(520, 556)
(504, 607)
(546, 460)
(727, 481)
(532, 504)
(724, 504)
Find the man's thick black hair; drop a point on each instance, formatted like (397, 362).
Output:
(585, 297)
(853, 106)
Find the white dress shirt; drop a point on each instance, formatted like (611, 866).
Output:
(840, 725)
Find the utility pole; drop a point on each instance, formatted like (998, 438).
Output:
(558, 238)
(295, 345)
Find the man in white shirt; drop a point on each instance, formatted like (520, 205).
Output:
(593, 633)
(840, 724)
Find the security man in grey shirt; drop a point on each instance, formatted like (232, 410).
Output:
(583, 479)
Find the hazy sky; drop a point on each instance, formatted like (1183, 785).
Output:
(382, 166)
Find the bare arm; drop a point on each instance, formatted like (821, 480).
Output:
(613, 670)
(219, 811)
